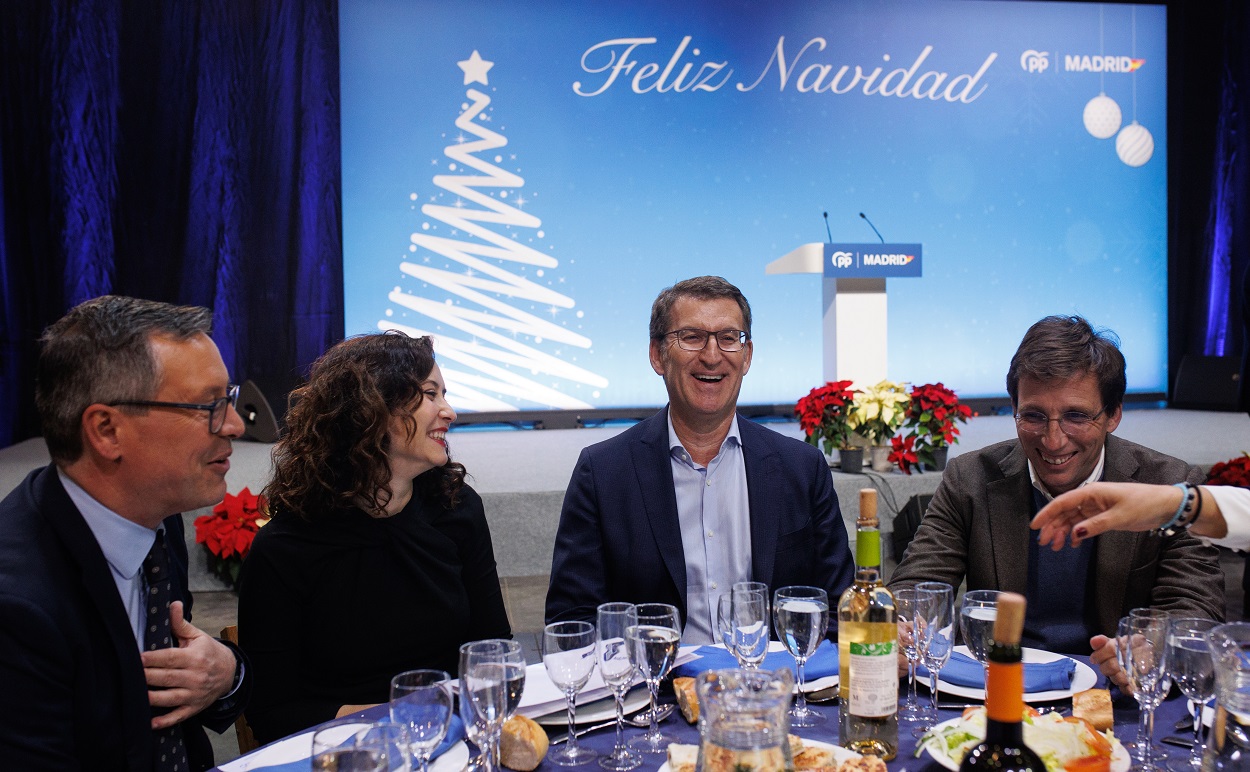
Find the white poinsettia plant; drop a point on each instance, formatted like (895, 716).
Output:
(879, 411)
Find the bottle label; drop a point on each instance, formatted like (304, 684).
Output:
(1004, 694)
(873, 675)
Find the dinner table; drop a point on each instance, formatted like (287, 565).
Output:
(1168, 719)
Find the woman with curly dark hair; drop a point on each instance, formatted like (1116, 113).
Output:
(378, 558)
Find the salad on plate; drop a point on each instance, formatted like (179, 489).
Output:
(1065, 744)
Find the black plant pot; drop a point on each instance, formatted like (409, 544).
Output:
(851, 460)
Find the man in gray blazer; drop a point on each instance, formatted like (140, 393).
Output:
(1067, 384)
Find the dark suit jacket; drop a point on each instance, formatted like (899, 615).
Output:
(620, 539)
(72, 691)
(978, 526)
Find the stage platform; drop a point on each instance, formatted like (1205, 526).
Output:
(522, 473)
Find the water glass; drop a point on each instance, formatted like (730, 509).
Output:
(937, 639)
(907, 608)
(977, 612)
(1190, 665)
(421, 702)
(801, 615)
(742, 618)
(618, 673)
(569, 655)
(653, 644)
(1141, 645)
(492, 678)
(1229, 745)
(336, 747)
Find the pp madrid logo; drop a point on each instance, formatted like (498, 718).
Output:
(1035, 61)
(842, 259)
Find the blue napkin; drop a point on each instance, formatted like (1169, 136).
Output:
(823, 663)
(963, 670)
(455, 733)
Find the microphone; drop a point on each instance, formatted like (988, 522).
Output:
(874, 228)
(827, 233)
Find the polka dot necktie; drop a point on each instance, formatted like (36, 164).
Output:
(171, 753)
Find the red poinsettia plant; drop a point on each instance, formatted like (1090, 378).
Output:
(1235, 471)
(228, 532)
(931, 416)
(824, 415)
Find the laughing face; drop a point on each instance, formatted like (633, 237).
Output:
(1063, 461)
(427, 447)
(702, 385)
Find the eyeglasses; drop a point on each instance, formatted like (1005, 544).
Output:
(1072, 422)
(696, 340)
(216, 409)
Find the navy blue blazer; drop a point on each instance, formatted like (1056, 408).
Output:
(620, 540)
(74, 694)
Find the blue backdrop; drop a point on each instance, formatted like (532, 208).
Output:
(521, 180)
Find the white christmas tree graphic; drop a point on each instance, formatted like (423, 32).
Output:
(503, 340)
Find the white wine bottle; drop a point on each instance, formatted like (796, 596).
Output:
(1004, 748)
(868, 646)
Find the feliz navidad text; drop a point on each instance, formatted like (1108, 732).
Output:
(635, 64)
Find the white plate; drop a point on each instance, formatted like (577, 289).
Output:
(811, 685)
(1119, 754)
(1084, 678)
(299, 747)
(840, 754)
(598, 710)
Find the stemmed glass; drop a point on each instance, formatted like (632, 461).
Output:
(653, 644)
(742, 617)
(569, 656)
(907, 607)
(492, 678)
(977, 612)
(618, 673)
(1141, 644)
(1190, 665)
(421, 702)
(936, 618)
(802, 618)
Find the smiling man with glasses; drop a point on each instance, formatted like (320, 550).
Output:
(101, 666)
(688, 502)
(1066, 383)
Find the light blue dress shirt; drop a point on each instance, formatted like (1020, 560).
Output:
(715, 518)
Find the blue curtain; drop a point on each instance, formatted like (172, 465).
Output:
(182, 151)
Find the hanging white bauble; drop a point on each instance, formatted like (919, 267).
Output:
(1134, 145)
(1102, 117)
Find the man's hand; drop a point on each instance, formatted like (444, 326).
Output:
(192, 676)
(1105, 659)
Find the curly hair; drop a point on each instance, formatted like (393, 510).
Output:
(334, 453)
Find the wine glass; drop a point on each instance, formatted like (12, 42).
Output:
(742, 616)
(336, 747)
(421, 702)
(653, 644)
(390, 741)
(492, 677)
(802, 618)
(907, 607)
(937, 639)
(618, 673)
(977, 612)
(1191, 667)
(569, 656)
(1141, 644)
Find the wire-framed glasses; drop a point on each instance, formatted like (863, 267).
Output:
(1071, 422)
(216, 409)
(696, 340)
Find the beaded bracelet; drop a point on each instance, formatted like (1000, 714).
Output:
(1189, 493)
(1188, 522)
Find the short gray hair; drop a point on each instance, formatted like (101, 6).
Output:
(700, 288)
(100, 352)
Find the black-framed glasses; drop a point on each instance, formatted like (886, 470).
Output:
(216, 409)
(1071, 422)
(696, 340)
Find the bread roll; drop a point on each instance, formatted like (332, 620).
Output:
(682, 758)
(522, 745)
(687, 698)
(1094, 705)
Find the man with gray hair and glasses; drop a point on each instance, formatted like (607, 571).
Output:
(696, 498)
(1066, 383)
(100, 665)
